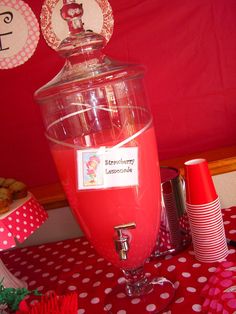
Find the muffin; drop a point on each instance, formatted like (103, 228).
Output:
(18, 190)
(7, 182)
(1, 181)
(5, 200)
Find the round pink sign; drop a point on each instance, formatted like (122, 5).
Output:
(97, 16)
(19, 33)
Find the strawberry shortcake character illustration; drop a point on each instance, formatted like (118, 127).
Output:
(92, 165)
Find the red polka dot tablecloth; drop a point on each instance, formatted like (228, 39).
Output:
(73, 265)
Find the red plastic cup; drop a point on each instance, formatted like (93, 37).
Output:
(200, 188)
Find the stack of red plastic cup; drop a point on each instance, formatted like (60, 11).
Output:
(204, 212)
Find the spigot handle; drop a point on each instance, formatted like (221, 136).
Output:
(119, 228)
(122, 240)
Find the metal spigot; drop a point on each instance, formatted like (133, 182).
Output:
(122, 240)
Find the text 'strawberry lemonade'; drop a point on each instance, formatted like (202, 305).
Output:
(103, 143)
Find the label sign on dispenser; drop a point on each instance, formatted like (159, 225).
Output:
(107, 168)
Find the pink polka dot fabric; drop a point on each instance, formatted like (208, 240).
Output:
(220, 292)
(74, 266)
(21, 222)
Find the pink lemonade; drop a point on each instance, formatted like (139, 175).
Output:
(99, 210)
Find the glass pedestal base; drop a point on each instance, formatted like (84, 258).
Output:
(157, 296)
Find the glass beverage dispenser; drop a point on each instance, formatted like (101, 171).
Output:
(103, 143)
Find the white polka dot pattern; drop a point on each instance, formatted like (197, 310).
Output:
(62, 268)
(21, 222)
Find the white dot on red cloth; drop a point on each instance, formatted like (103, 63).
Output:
(81, 311)
(121, 312)
(151, 307)
(197, 308)
(109, 275)
(158, 265)
(182, 259)
(97, 284)
(30, 266)
(121, 280)
(171, 268)
(61, 281)
(99, 271)
(232, 231)
(176, 284)
(191, 289)
(107, 290)
(202, 279)
(95, 300)
(179, 300)
(226, 222)
(107, 307)
(74, 249)
(164, 295)
(45, 275)
(135, 301)
(88, 267)
(83, 295)
(76, 275)
(73, 288)
(212, 269)
(58, 267)
(120, 295)
(38, 270)
(85, 280)
(1, 229)
(31, 283)
(186, 274)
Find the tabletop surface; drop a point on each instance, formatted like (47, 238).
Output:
(73, 265)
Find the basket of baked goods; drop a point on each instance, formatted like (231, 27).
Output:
(20, 213)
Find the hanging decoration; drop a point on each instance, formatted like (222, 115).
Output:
(19, 33)
(97, 16)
